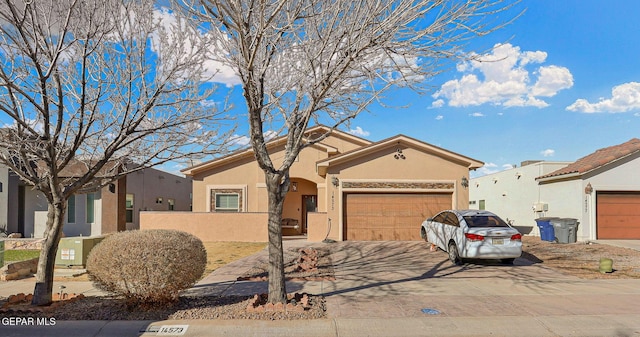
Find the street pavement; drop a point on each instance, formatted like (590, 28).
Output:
(396, 289)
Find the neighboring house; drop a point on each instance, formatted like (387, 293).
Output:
(113, 208)
(8, 183)
(344, 188)
(601, 190)
(514, 194)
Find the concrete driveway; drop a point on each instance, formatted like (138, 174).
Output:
(404, 289)
(399, 279)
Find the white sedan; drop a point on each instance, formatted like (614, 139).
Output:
(473, 234)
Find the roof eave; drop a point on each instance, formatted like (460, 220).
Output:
(566, 176)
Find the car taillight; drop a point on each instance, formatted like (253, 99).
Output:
(474, 237)
(516, 237)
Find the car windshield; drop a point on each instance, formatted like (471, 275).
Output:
(484, 221)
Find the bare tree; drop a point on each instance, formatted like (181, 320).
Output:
(89, 87)
(317, 61)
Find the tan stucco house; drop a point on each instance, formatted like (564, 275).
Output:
(344, 188)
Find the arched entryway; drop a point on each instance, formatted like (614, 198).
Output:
(301, 199)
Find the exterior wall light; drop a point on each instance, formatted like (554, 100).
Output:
(335, 181)
(464, 182)
(588, 189)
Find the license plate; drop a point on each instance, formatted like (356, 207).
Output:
(498, 241)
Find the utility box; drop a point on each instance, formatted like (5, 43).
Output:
(73, 251)
(540, 207)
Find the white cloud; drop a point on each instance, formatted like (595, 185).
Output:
(359, 132)
(439, 117)
(269, 135)
(488, 168)
(240, 140)
(477, 114)
(501, 77)
(624, 97)
(244, 140)
(208, 103)
(548, 152)
(439, 103)
(215, 70)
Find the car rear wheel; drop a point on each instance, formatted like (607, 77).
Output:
(454, 256)
(507, 261)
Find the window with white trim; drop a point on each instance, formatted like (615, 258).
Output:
(227, 202)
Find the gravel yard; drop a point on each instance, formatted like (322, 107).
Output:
(582, 259)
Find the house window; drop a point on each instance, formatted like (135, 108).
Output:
(91, 198)
(129, 208)
(481, 205)
(227, 202)
(71, 209)
(171, 203)
(226, 199)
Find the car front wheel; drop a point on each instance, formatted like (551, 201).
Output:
(454, 256)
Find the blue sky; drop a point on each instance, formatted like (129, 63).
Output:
(573, 68)
(568, 83)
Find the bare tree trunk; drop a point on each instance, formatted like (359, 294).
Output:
(42, 294)
(277, 285)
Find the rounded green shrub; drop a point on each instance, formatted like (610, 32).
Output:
(150, 266)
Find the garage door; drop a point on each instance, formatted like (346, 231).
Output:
(390, 216)
(618, 215)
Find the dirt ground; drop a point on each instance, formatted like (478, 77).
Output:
(221, 253)
(577, 259)
(582, 259)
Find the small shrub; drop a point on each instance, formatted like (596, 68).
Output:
(147, 267)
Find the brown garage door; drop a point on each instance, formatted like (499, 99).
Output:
(389, 216)
(618, 215)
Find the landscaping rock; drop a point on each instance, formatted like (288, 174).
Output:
(18, 270)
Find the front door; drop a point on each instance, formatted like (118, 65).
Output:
(309, 204)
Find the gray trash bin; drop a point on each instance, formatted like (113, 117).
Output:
(565, 229)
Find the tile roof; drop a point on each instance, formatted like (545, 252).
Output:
(598, 159)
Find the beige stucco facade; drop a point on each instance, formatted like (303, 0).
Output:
(321, 177)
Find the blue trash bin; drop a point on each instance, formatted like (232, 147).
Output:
(547, 233)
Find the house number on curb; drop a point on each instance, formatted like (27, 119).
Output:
(169, 330)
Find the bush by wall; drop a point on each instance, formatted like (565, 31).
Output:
(150, 266)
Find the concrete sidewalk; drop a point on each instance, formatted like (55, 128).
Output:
(402, 289)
